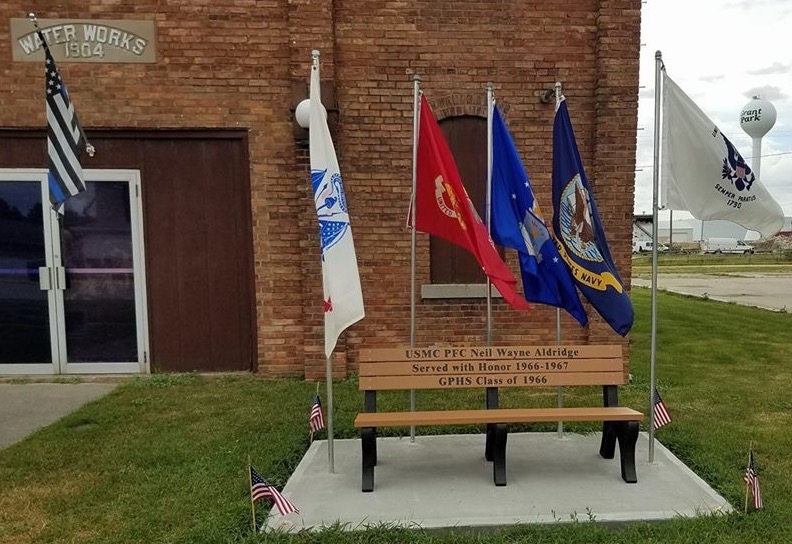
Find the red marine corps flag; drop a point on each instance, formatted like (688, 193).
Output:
(443, 208)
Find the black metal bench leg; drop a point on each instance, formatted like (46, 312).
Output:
(368, 443)
(628, 437)
(608, 444)
(500, 433)
(375, 446)
(490, 439)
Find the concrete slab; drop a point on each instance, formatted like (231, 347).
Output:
(24, 408)
(444, 481)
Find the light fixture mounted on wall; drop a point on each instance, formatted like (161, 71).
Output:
(301, 110)
(547, 96)
(302, 113)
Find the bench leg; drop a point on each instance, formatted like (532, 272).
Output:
(500, 432)
(628, 437)
(608, 444)
(490, 440)
(368, 443)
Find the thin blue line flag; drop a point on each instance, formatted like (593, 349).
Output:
(580, 237)
(517, 222)
(65, 136)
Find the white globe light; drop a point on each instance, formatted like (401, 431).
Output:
(757, 117)
(303, 113)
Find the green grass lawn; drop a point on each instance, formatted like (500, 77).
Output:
(163, 459)
(767, 263)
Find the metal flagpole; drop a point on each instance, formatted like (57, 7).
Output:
(559, 390)
(488, 214)
(671, 230)
(416, 118)
(329, 374)
(655, 192)
(329, 358)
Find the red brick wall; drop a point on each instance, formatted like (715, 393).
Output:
(233, 63)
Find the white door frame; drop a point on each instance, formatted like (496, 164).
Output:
(53, 279)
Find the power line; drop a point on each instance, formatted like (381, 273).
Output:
(649, 166)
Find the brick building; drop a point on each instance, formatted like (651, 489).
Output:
(201, 186)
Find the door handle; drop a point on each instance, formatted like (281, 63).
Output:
(45, 278)
(60, 278)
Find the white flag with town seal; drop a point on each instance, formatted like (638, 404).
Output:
(343, 298)
(702, 172)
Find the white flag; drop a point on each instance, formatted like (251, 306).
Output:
(702, 172)
(343, 298)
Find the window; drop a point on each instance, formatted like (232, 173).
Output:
(467, 139)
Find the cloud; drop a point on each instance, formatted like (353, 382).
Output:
(775, 68)
(711, 79)
(768, 92)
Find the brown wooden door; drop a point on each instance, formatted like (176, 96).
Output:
(198, 238)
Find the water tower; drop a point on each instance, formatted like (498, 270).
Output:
(757, 118)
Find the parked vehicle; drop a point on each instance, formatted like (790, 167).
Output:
(641, 246)
(725, 245)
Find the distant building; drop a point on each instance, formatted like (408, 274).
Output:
(690, 230)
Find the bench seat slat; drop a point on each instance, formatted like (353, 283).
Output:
(502, 415)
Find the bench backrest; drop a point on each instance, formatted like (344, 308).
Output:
(443, 367)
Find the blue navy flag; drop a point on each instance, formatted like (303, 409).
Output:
(517, 222)
(580, 238)
(65, 137)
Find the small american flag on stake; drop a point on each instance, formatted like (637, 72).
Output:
(751, 479)
(262, 489)
(316, 419)
(661, 415)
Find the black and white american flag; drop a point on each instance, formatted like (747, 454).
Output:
(65, 138)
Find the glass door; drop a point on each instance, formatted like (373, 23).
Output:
(91, 276)
(26, 318)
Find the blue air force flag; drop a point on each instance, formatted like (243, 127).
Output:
(702, 172)
(343, 298)
(580, 237)
(517, 222)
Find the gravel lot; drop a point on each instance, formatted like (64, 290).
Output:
(771, 291)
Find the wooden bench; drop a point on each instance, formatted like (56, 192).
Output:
(490, 368)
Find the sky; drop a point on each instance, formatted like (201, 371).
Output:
(721, 53)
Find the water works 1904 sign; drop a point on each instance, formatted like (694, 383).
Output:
(83, 40)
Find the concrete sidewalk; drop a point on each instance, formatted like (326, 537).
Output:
(25, 408)
(444, 481)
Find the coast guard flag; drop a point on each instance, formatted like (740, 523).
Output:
(517, 222)
(65, 138)
(443, 208)
(343, 298)
(580, 237)
(702, 172)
